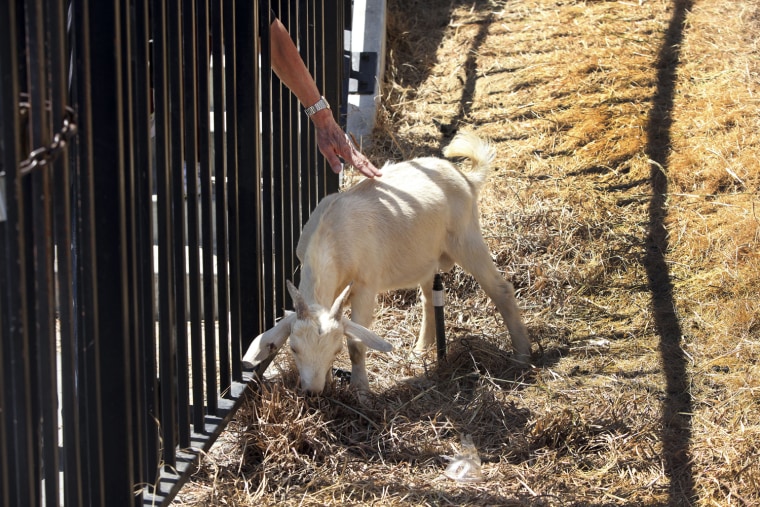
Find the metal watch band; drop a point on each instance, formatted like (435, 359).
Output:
(320, 105)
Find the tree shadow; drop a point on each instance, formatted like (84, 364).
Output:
(468, 88)
(419, 55)
(676, 418)
(414, 38)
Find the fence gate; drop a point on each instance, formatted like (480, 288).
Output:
(154, 177)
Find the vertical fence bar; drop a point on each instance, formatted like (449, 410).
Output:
(138, 207)
(318, 71)
(166, 296)
(244, 314)
(222, 192)
(236, 136)
(226, 24)
(16, 367)
(18, 476)
(130, 229)
(288, 136)
(193, 210)
(264, 209)
(278, 162)
(59, 59)
(179, 174)
(33, 337)
(5, 470)
(110, 244)
(331, 72)
(267, 167)
(310, 194)
(72, 464)
(220, 178)
(245, 248)
(5, 442)
(145, 369)
(85, 263)
(292, 177)
(41, 270)
(207, 232)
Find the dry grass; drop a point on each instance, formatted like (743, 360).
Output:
(624, 207)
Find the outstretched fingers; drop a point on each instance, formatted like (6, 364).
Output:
(334, 144)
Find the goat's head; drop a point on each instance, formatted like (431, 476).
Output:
(316, 338)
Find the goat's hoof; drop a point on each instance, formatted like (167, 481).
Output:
(363, 396)
(521, 360)
(418, 352)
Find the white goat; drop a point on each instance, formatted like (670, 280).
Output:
(391, 232)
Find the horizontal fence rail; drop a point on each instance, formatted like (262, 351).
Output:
(154, 178)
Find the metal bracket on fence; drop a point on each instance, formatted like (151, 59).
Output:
(367, 73)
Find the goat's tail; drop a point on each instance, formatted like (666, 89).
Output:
(477, 150)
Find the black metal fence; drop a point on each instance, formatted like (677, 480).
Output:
(154, 177)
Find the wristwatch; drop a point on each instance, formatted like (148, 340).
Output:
(320, 105)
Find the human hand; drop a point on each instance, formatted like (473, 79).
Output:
(335, 144)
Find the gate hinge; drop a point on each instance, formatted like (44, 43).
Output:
(366, 76)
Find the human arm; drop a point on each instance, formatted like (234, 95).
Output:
(332, 141)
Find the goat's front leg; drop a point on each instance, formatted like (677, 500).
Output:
(362, 307)
(427, 331)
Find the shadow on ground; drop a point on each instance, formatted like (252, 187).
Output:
(677, 407)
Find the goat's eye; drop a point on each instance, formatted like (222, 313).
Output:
(294, 350)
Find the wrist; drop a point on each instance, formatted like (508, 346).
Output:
(317, 107)
(322, 118)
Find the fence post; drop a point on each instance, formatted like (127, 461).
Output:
(440, 324)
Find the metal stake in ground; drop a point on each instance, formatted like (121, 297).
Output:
(440, 331)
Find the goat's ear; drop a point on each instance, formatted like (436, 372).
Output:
(269, 342)
(337, 308)
(366, 336)
(299, 303)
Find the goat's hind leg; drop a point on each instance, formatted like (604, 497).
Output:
(427, 331)
(475, 258)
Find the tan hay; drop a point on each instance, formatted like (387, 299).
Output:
(564, 89)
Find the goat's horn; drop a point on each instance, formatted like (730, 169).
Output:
(299, 304)
(337, 307)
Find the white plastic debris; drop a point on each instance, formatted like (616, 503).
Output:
(465, 467)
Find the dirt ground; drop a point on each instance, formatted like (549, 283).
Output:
(624, 207)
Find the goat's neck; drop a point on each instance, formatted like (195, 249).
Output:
(318, 288)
